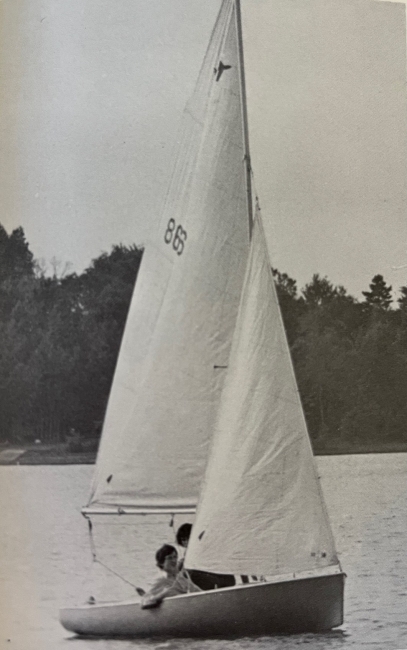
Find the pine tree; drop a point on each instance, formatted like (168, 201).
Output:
(379, 294)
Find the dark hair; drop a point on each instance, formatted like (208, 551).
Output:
(183, 533)
(162, 553)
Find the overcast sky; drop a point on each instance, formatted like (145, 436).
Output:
(92, 93)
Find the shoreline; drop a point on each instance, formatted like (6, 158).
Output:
(342, 450)
(60, 455)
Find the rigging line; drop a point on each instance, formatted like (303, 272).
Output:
(116, 574)
(96, 560)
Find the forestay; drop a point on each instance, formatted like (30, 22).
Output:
(261, 510)
(178, 334)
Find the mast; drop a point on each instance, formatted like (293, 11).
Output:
(247, 161)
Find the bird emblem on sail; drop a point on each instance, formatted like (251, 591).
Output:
(220, 69)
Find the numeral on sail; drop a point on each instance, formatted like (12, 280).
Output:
(170, 231)
(175, 234)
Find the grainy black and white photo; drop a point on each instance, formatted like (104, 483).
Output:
(203, 311)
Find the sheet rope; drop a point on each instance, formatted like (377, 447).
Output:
(96, 559)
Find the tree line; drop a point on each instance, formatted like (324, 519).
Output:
(350, 359)
(60, 336)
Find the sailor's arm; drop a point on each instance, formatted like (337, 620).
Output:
(154, 599)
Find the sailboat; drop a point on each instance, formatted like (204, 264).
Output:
(204, 415)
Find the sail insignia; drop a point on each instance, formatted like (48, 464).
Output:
(220, 69)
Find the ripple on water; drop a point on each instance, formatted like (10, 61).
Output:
(45, 560)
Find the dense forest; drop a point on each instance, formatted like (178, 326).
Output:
(60, 335)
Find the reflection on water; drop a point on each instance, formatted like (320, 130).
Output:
(45, 560)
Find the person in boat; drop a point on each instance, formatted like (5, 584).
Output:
(203, 579)
(175, 583)
(182, 537)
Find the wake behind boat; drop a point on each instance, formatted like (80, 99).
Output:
(204, 407)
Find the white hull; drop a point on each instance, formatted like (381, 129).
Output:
(301, 605)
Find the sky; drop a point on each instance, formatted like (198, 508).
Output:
(92, 93)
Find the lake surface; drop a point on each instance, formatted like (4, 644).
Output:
(45, 559)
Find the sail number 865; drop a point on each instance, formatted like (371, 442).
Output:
(176, 236)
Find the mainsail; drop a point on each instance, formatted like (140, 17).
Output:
(179, 329)
(261, 510)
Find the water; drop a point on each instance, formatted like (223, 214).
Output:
(45, 560)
